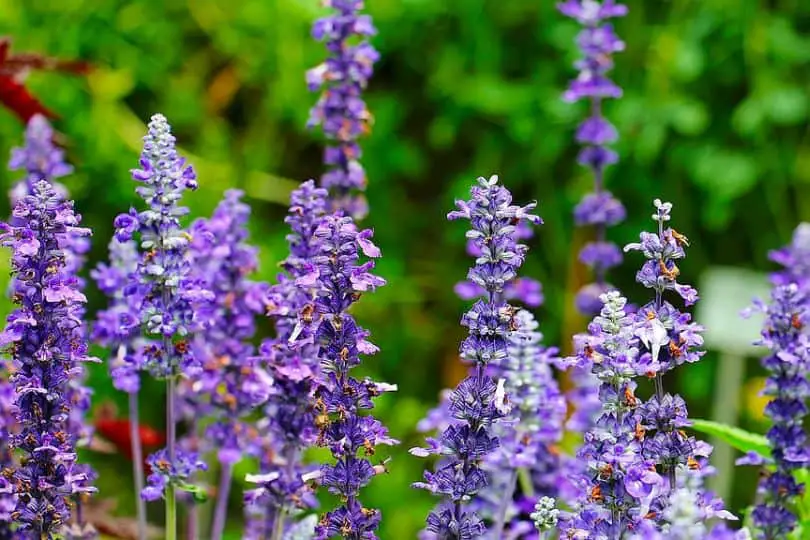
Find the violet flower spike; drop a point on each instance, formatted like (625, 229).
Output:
(525, 456)
(340, 398)
(794, 259)
(46, 341)
(230, 384)
(40, 158)
(171, 299)
(786, 334)
(688, 513)
(288, 426)
(340, 110)
(8, 428)
(597, 42)
(118, 329)
(478, 402)
(667, 338)
(620, 484)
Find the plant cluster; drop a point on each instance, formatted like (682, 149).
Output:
(184, 310)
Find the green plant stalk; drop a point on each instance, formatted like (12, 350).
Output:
(171, 429)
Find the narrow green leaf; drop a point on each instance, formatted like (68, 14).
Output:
(742, 440)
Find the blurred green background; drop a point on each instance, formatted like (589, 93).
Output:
(714, 119)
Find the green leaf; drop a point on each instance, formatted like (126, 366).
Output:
(742, 440)
(197, 492)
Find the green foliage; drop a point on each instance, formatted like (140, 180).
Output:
(738, 438)
(714, 118)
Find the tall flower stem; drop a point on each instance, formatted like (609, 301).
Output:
(500, 522)
(171, 439)
(221, 511)
(137, 459)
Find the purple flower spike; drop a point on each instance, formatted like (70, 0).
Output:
(527, 435)
(352, 438)
(597, 42)
(341, 111)
(172, 303)
(478, 402)
(40, 158)
(795, 258)
(45, 339)
(667, 338)
(786, 334)
(620, 483)
(8, 428)
(230, 384)
(288, 426)
(118, 326)
(170, 297)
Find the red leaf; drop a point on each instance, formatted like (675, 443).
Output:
(15, 97)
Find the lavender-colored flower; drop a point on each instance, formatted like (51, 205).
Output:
(46, 342)
(8, 427)
(478, 402)
(230, 383)
(526, 435)
(687, 514)
(620, 484)
(291, 357)
(341, 110)
(167, 471)
(118, 326)
(597, 42)
(668, 339)
(795, 259)
(40, 158)
(787, 337)
(163, 279)
(340, 280)
(171, 298)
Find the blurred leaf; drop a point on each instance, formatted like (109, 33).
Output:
(725, 174)
(738, 438)
(787, 105)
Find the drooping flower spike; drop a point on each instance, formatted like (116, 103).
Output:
(478, 402)
(46, 342)
(340, 110)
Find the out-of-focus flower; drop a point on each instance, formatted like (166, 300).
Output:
(341, 111)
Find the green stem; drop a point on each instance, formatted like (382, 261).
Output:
(171, 428)
(171, 514)
(525, 482)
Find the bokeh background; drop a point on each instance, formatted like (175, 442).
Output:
(714, 119)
